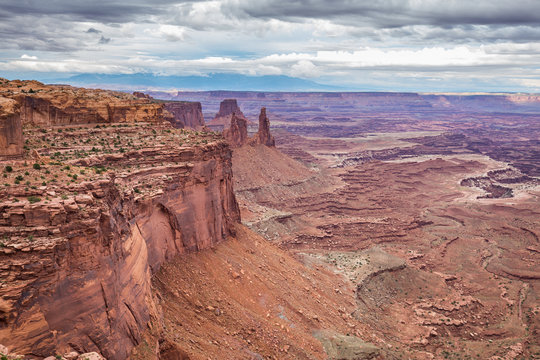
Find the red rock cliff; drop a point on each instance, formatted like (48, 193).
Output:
(11, 139)
(186, 114)
(226, 108)
(45, 105)
(78, 254)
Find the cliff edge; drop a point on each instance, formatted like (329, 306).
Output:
(91, 211)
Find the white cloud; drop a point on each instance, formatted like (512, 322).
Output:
(173, 33)
(304, 69)
(65, 66)
(306, 65)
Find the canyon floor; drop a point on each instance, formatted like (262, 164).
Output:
(441, 268)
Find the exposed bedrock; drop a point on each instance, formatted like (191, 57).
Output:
(77, 270)
(47, 105)
(236, 134)
(43, 112)
(11, 138)
(186, 114)
(263, 135)
(226, 108)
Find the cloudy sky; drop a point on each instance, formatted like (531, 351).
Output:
(422, 45)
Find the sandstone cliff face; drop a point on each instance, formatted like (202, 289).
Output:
(236, 134)
(11, 139)
(226, 108)
(45, 105)
(186, 114)
(77, 261)
(263, 135)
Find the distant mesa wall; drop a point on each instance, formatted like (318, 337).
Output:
(141, 95)
(186, 114)
(226, 108)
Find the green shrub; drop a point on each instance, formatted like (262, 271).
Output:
(8, 169)
(36, 166)
(33, 199)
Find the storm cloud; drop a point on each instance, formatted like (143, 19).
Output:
(340, 41)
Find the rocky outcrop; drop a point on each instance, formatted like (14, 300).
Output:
(263, 135)
(226, 108)
(186, 114)
(346, 347)
(236, 134)
(78, 255)
(11, 137)
(141, 95)
(46, 105)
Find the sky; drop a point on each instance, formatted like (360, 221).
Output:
(390, 45)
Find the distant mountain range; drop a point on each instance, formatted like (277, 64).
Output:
(211, 82)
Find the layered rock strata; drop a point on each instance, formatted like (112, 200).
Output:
(83, 229)
(186, 114)
(226, 108)
(11, 139)
(46, 105)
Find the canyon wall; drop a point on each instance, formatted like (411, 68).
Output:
(186, 114)
(11, 140)
(78, 269)
(100, 209)
(47, 105)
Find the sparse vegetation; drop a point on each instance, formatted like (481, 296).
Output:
(33, 199)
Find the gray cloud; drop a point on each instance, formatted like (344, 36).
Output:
(413, 21)
(306, 38)
(104, 40)
(99, 11)
(392, 13)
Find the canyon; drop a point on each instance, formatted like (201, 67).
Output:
(100, 209)
(344, 226)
